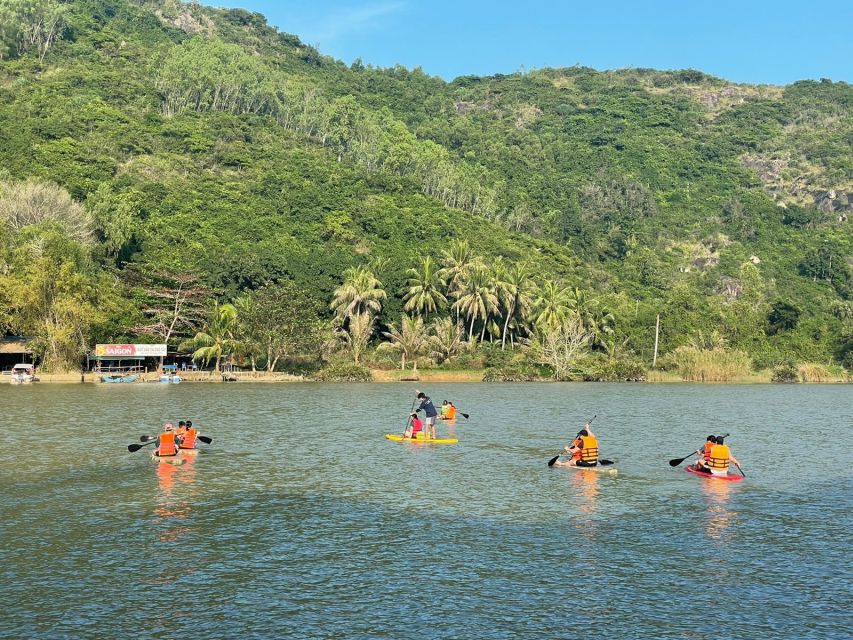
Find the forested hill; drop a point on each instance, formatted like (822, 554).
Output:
(151, 146)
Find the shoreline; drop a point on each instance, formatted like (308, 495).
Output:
(395, 375)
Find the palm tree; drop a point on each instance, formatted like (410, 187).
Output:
(455, 262)
(218, 341)
(551, 305)
(447, 339)
(360, 293)
(357, 335)
(477, 298)
(424, 294)
(514, 285)
(410, 339)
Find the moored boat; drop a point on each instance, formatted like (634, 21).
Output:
(730, 477)
(396, 437)
(119, 379)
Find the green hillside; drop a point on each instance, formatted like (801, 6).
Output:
(155, 149)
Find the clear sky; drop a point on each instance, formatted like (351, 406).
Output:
(756, 41)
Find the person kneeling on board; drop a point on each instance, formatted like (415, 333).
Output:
(415, 426)
(584, 450)
(166, 443)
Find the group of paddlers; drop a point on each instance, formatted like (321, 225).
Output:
(714, 457)
(417, 428)
(173, 440)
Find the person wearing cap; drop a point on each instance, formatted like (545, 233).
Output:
(584, 449)
(167, 444)
(429, 412)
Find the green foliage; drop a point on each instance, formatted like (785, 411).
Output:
(202, 143)
(783, 316)
(343, 372)
(711, 365)
(614, 370)
(787, 372)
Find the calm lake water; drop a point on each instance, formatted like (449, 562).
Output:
(301, 520)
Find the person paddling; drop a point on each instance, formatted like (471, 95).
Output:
(719, 458)
(429, 412)
(190, 435)
(414, 427)
(166, 443)
(584, 449)
(704, 454)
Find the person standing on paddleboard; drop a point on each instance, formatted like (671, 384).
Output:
(429, 411)
(584, 450)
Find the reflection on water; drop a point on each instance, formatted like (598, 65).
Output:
(174, 501)
(719, 517)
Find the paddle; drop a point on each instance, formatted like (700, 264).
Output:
(677, 461)
(204, 439)
(739, 469)
(556, 457)
(137, 447)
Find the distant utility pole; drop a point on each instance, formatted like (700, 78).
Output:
(657, 333)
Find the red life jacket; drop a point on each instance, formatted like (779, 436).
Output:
(189, 438)
(417, 426)
(708, 446)
(167, 444)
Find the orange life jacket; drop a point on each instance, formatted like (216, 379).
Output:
(588, 448)
(708, 446)
(180, 431)
(451, 413)
(167, 444)
(718, 457)
(189, 438)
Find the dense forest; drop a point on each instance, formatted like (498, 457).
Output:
(173, 172)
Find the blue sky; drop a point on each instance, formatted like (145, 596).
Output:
(758, 41)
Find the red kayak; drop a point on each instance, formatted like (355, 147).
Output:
(730, 477)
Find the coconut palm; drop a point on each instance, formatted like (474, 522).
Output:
(476, 297)
(410, 339)
(551, 307)
(514, 286)
(357, 335)
(425, 284)
(218, 341)
(447, 339)
(360, 293)
(455, 262)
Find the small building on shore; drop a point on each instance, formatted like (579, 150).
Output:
(14, 350)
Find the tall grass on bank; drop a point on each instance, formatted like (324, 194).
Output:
(810, 372)
(711, 365)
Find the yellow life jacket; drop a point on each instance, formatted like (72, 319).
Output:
(445, 411)
(589, 448)
(719, 457)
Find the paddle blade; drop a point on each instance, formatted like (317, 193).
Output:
(134, 447)
(677, 461)
(553, 460)
(604, 463)
(147, 438)
(205, 439)
(464, 415)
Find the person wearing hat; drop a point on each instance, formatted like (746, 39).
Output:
(167, 444)
(429, 412)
